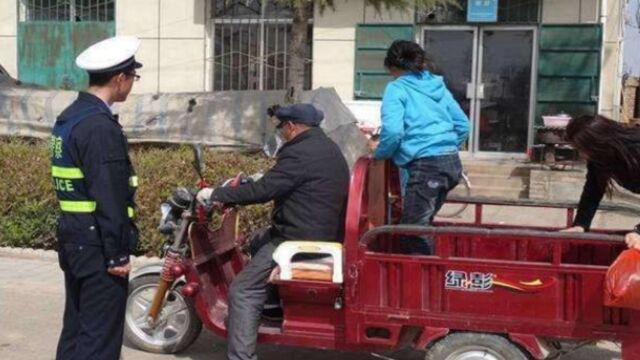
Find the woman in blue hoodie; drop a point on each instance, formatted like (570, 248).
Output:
(422, 129)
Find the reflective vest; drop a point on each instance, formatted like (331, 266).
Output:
(68, 179)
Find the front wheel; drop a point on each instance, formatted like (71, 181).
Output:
(177, 327)
(474, 346)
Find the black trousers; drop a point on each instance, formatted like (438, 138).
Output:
(93, 323)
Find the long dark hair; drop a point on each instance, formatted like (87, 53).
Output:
(409, 56)
(612, 147)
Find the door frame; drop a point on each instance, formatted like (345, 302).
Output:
(476, 63)
(474, 73)
(532, 88)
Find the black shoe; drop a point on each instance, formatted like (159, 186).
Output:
(274, 314)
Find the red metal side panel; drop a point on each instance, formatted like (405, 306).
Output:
(492, 296)
(478, 289)
(371, 292)
(591, 292)
(411, 295)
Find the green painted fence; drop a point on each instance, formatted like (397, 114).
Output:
(568, 69)
(47, 51)
(372, 42)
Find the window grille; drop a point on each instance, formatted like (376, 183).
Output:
(67, 10)
(250, 43)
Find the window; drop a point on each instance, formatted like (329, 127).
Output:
(509, 11)
(250, 45)
(67, 10)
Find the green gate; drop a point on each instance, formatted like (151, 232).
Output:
(568, 69)
(51, 34)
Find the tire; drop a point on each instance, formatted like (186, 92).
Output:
(186, 324)
(474, 346)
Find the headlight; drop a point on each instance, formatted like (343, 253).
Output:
(180, 199)
(167, 220)
(165, 210)
(171, 210)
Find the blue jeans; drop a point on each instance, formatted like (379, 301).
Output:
(430, 180)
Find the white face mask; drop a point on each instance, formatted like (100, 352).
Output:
(273, 144)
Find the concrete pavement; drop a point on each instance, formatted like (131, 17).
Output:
(32, 302)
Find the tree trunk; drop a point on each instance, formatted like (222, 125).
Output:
(298, 51)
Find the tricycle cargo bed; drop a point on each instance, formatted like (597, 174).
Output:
(524, 283)
(550, 284)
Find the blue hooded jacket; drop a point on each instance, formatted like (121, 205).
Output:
(420, 118)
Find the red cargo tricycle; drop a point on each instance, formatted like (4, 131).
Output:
(489, 291)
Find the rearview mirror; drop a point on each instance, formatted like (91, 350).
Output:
(198, 161)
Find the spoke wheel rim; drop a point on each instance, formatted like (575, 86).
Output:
(173, 321)
(476, 352)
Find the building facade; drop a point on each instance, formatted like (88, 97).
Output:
(539, 57)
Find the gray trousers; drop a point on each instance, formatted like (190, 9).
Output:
(247, 296)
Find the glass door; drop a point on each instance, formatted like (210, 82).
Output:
(489, 72)
(452, 50)
(503, 109)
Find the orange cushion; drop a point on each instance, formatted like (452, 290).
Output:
(318, 270)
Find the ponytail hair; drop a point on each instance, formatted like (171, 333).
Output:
(408, 56)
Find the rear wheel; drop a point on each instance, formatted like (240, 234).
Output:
(474, 346)
(178, 324)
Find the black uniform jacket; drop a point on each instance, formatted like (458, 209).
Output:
(308, 184)
(99, 147)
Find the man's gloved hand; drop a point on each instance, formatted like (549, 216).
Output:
(243, 179)
(204, 197)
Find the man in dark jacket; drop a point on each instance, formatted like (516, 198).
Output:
(308, 185)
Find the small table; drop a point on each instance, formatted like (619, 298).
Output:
(552, 149)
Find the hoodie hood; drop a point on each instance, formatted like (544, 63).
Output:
(424, 83)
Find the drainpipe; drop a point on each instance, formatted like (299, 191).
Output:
(603, 22)
(617, 91)
(159, 43)
(617, 105)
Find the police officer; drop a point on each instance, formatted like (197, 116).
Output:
(95, 185)
(308, 185)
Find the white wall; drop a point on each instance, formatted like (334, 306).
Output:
(173, 42)
(570, 11)
(334, 34)
(8, 36)
(372, 16)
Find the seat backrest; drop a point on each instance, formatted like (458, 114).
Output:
(288, 249)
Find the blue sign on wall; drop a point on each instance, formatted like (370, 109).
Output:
(482, 11)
